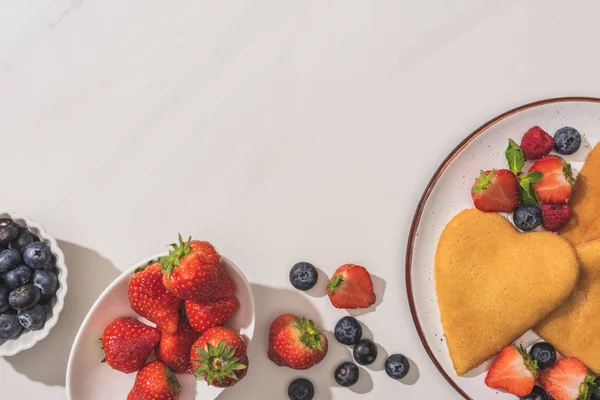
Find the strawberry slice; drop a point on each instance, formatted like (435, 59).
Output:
(496, 191)
(514, 371)
(351, 287)
(556, 184)
(568, 379)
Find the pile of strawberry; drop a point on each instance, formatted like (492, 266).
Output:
(541, 193)
(516, 371)
(189, 296)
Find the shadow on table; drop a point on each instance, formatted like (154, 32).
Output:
(89, 274)
(267, 381)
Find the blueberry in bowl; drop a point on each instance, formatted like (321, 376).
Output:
(33, 283)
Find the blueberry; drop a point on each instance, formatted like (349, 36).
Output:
(303, 276)
(527, 218)
(23, 239)
(537, 394)
(9, 259)
(33, 318)
(8, 230)
(4, 291)
(18, 277)
(397, 366)
(24, 297)
(544, 354)
(301, 389)
(346, 374)
(348, 331)
(567, 140)
(46, 281)
(365, 352)
(9, 326)
(37, 255)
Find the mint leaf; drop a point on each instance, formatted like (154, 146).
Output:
(526, 193)
(514, 156)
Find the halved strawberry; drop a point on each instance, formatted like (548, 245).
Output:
(496, 191)
(556, 184)
(568, 379)
(514, 371)
(351, 287)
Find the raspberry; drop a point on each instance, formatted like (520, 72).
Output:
(536, 143)
(555, 216)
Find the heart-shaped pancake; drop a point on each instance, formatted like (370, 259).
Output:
(574, 328)
(584, 225)
(494, 283)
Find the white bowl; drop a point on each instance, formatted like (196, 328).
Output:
(28, 339)
(89, 379)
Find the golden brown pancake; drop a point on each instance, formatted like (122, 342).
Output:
(488, 279)
(574, 328)
(584, 226)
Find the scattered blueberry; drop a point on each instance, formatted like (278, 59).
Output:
(596, 393)
(9, 259)
(4, 291)
(365, 352)
(18, 277)
(46, 281)
(301, 389)
(23, 239)
(303, 276)
(397, 366)
(346, 374)
(567, 140)
(8, 230)
(37, 255)
(527, 218)
(9, 326)
(33, 318)
(538, 393)
(24, 297)
(348, 331)
(544, 354)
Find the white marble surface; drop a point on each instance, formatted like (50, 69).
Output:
(280, 130)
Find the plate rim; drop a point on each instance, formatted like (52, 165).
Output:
(425, 197)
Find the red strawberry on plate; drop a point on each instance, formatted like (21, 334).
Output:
(174, 348)
(568, 379)
(514, 371)
(351, 287)
(192, 271)
(496, 191)
(296, 342)
(536, 143)
(149, 298)
(203, 316)
(155, 382)
(555, 216)
(556, 184)
(219, 356)
(128, 343)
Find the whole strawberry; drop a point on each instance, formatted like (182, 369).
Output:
(192, 271)
(568, 379)
(351, 287)
(555, 216)
(174, 348)
(496, 191)
(219, 356)
(296, 342)
(556, 184)
(128, 343)
(155, 382)
(203, 316)
(149, 298)
(514, 371)
(536, 143)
